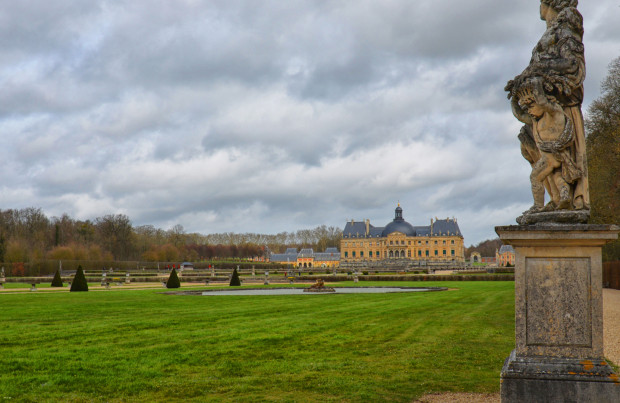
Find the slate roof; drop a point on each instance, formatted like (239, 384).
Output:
(289, 256)
(446, 227)
(506, 249)
(398, 226)
(306, 253)
(327, 256)
(423, 230)
(357, 229)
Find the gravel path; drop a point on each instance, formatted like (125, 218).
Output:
(611, 341)
(611, 324)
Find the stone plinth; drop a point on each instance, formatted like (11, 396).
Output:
(558, 352)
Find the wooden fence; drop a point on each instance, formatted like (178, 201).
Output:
(611, 275)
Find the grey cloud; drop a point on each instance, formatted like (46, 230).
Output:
(273, 116)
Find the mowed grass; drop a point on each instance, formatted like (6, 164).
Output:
(147, 346)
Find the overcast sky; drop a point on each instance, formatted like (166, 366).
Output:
(269, 116)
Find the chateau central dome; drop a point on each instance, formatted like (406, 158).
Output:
(398, 225)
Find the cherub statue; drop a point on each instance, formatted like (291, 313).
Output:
(553, 133)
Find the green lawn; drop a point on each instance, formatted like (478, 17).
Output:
(146, 346)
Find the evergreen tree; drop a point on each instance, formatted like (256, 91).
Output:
(173, 280)
(79, 281)
(235, 280)
(57, 281)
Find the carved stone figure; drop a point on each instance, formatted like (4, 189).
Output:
(547, 97)
(319, 286)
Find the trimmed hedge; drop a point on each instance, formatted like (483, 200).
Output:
(173, 280)
(235, 281)
(57, 281)
(79, 281)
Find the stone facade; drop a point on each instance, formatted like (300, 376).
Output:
(400, 243)
(505, 256)
(558, 352)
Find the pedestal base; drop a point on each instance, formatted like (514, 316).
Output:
(558, 354)
(553, 379)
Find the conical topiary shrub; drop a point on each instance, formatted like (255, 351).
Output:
(235, 280)
(57, 281)
(173, 280)
(79, 281)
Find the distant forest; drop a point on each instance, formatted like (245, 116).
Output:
(28, 235)
(485, 248)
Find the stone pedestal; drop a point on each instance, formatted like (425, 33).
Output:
(558, 354)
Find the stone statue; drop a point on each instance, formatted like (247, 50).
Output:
(319, 286)
(547, 98)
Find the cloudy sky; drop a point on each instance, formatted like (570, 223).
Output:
(269, 116)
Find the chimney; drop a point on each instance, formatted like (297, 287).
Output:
(367, 227)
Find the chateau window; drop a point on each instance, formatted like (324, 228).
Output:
(420, 253)
(435, 242)
(370, 253)
(452, 242)
(444, 241)
(346, 254)
(444, 252)
(353, 253)
(346, 244)
(391, 242)
(436, 253)
(408, 253)
(409, 242)
(362, 253)
(452, 252)
(377, 254)
(427, 242)
(426, 253)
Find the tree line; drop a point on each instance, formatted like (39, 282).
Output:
(28, 235)
(603, 145)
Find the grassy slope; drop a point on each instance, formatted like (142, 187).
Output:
(142, 345)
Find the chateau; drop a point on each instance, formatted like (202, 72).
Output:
(401, 244)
